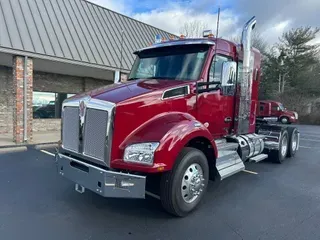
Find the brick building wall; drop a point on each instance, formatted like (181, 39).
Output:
(50, 82)
(47, 125)
(6, 100)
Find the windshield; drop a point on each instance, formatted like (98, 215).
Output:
(174, 62)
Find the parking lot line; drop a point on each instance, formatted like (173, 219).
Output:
(311, 140)
(251, 172)
(305, 147)
(46, 152)
(153, 195)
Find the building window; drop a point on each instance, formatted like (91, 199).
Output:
(47, 104)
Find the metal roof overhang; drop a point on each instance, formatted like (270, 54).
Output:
(58, 65)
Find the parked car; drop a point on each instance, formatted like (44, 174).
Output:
(45, 111)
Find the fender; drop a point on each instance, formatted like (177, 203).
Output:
(173, 131)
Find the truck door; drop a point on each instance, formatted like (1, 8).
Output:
(215, 108)
(275, 110)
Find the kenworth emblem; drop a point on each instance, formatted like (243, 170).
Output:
(82, 112)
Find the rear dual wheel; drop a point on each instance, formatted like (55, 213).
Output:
(293, 141)
(182, 189)
(288, 145)
(280, 154)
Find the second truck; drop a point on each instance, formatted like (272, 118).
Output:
(186, 115)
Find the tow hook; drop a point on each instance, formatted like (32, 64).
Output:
(79, 188)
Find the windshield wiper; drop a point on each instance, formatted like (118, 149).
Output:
(152, 78)
(160, 78)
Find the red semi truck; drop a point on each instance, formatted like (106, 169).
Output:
(186, 115)
(273, 109)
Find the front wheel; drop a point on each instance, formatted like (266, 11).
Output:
(284, 120)
(182, 189)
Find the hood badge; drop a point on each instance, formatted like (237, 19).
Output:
(82, 110)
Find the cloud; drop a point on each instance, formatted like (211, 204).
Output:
(115, 5)
(174, 17)
(273, 16)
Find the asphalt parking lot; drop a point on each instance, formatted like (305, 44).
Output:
(273, 202)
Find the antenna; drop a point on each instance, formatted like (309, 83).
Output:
(217, 33)
(218, 21)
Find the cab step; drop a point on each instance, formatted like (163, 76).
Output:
(258, 158)
(228, 162)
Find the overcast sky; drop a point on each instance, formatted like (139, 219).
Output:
(273, 16)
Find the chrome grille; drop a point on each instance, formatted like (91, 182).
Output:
(95, 131)
(92, 140)
(70, 133)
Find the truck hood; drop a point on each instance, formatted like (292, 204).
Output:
(122, 91)
(290, 113)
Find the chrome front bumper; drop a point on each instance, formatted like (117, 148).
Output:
(103, 182)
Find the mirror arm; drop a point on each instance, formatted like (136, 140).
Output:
(200, 84)
(209, 89)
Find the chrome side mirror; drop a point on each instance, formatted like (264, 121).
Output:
(229, 71)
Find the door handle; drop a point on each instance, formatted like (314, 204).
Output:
(227, 119)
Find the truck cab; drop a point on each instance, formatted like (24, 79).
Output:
(269, 108)
(186, 115)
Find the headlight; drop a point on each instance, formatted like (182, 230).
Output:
(140, 153)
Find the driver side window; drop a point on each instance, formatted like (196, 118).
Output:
(215, 73)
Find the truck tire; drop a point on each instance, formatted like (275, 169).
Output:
(278, 156)
(284, 120)
(293, 141)
(182, 189)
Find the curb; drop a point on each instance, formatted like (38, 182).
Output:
(13, 149)
(46, 145)
(19, 147)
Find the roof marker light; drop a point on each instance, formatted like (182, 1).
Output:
(157, 39)
(207, 33)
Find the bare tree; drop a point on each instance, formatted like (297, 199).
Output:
(193, 28)
(257, 41)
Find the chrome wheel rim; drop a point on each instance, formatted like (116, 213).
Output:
(284, 145)
(294, 141)
(284, 120)
(192, 183)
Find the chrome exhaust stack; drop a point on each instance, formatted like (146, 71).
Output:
(246, 41)
(246, 84)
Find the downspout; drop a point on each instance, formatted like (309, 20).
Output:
(25, 105)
